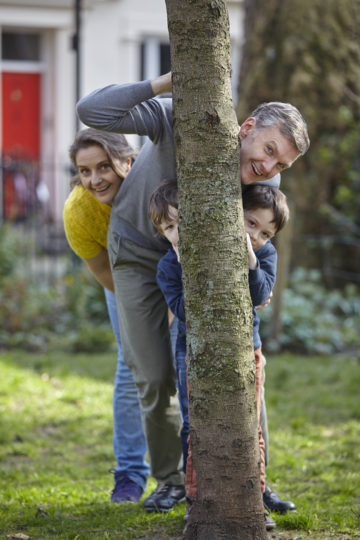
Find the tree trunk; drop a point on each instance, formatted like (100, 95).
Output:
(221, 367)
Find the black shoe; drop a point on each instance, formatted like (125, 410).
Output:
(273, 502)
(164, 497)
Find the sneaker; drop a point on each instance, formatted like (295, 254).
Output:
(164, 497)
(269, 523)
(125, 490)
(274, 503)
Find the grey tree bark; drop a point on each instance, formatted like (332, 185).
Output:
(221, 366)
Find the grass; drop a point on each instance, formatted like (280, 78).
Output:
(56, 449)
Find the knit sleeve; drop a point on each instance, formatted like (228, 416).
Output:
(126, 108)
(85, 223)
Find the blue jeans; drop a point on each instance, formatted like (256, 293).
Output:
(181, 373)
(173, 330)
(128, 436)
(178, 345)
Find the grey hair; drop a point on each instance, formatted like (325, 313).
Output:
(287, 118)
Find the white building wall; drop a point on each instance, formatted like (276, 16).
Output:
(111, 35)
(64, 113)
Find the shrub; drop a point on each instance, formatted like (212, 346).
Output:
(66, 312)
(38, 317)
(314, 319)
(69, 312)
(10, 250)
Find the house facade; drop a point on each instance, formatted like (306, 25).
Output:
(54, 51)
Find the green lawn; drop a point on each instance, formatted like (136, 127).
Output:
(56, 449)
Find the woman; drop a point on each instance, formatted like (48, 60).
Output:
(102, 161)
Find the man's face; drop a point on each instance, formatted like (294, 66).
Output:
(264, 152)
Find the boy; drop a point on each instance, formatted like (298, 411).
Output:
(265, 213)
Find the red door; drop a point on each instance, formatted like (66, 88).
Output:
(20, 140)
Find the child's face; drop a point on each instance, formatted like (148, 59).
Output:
(259, 227)
(169, 228)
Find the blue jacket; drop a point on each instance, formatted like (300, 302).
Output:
(261, 283)
(169, 278)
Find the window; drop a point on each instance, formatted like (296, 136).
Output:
(20, 46)
(154, 58)
(165, 64)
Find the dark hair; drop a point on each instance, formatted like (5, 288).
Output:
(256, 196)
(288, 119)
(115, 145)
(165, 195)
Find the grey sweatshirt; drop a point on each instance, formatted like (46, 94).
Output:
(132, 108)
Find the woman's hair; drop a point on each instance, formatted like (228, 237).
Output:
(115, 145)
(256, 196)
(164, 196)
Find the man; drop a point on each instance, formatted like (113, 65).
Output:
(272, 139)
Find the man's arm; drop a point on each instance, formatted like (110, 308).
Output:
(162, 84)
(99, 266)
(127, 108)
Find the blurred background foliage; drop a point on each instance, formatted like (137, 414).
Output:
(315, 319)
(68, 312)
(306, 52)
(63, 309)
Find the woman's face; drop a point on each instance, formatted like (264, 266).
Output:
(97, 175)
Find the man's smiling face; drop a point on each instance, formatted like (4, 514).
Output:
(264, 152)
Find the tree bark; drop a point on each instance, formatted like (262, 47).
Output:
(221, 366)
